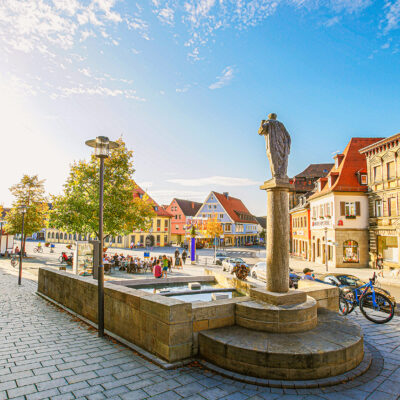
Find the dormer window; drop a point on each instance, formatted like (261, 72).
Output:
(319, 186)
(155, 208)
(329, 181)
(364, 179)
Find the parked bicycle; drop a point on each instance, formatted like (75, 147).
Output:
(375, 305)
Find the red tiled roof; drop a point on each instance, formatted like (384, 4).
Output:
(304, 181)
(352, 162)
(161, 212)
(235, 208)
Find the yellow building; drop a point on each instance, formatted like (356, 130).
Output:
(383, 169)
(300, 230)
(158, 235)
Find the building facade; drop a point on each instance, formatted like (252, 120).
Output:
(304, 182)
(300, 232)
(339, 210)
(180, 211)
(383, 169)
(239, 225)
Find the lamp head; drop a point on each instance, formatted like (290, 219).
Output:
(23, 208)
(102, 146)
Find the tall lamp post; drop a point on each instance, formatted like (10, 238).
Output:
(102, 146)
(22, 209)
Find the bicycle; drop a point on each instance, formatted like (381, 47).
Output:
(14, 260)
(38, 249)
(375, 306)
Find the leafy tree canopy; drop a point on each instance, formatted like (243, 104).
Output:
(76, 210)
(214, 228)
(31, 193)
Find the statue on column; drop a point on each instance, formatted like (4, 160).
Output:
(278, 143)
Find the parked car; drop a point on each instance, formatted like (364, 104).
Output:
(259, 271)
(248, 244)
(221, 256)
(229, 263)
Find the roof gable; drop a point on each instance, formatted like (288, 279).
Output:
(189, 208)
(235, 208)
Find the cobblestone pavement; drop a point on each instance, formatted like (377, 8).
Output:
(46, 353)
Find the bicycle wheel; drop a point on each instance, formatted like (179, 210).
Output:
(380, 311)
(40, 250)
(343, 305)
(35, 250)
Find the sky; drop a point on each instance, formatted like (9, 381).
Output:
(186, 84)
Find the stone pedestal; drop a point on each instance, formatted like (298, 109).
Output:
(277, 235)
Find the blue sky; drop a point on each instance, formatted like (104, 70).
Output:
(186, 83)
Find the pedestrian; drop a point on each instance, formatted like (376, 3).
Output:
(16, 251)
(132, 244)
(379, 265)
(157, 271)
(169, 264)
(165, 265)
(308, 274)
(178, 262)
(184, 256)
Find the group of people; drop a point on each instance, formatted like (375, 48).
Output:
(164, 264)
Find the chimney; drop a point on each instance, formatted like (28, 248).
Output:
(226, 194)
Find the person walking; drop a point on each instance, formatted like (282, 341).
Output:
(184, 256)
(379, 265)
(165, 265)
(132, 244)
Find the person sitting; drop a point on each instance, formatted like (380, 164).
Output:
(157, 271)
(16, 251)
(308, 274)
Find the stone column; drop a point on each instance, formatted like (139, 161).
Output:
(277, 235)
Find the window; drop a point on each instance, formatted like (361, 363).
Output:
(328, 210)
(392, 211)
(364, 180)
(350, 209)
(377, 173)
(321, 211)
(165, 239)
(176, 216)
(221, 216)
(390, 168)
(209, 206)
(119, 239)
(48, 235)
(155, 208)
(158, 223)
(228, 227)
(141, 239)
(70, 236)
(378, 208)
(158, 239)
(166, 223)
(350, 251)
(177, 227)
(215, 206)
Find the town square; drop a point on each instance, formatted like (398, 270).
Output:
(200, 199)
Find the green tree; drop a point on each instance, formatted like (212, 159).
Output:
(76, 210)
(30, 192)
(262, 234)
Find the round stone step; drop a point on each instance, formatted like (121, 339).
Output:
(333, 347)
(267, 317)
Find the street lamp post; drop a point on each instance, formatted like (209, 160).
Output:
(326, 248)
(102, 146)
(23, 210)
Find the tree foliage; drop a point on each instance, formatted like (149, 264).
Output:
(76, 210)
(214, 228)
(262, 234)
(31, 193)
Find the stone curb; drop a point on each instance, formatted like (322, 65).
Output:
(371, 365)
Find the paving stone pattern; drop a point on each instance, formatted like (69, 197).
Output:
(47, 353)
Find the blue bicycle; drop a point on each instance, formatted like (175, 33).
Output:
(375, 305)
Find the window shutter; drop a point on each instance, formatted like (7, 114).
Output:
(358, 210)
(342, 208)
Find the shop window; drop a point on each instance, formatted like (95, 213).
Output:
(378, 208)
(388, 248)
(350, 252)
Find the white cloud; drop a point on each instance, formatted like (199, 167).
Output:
(332, 21)
(215, 180)
(392, 17)
(223, 79)
(182, 90)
